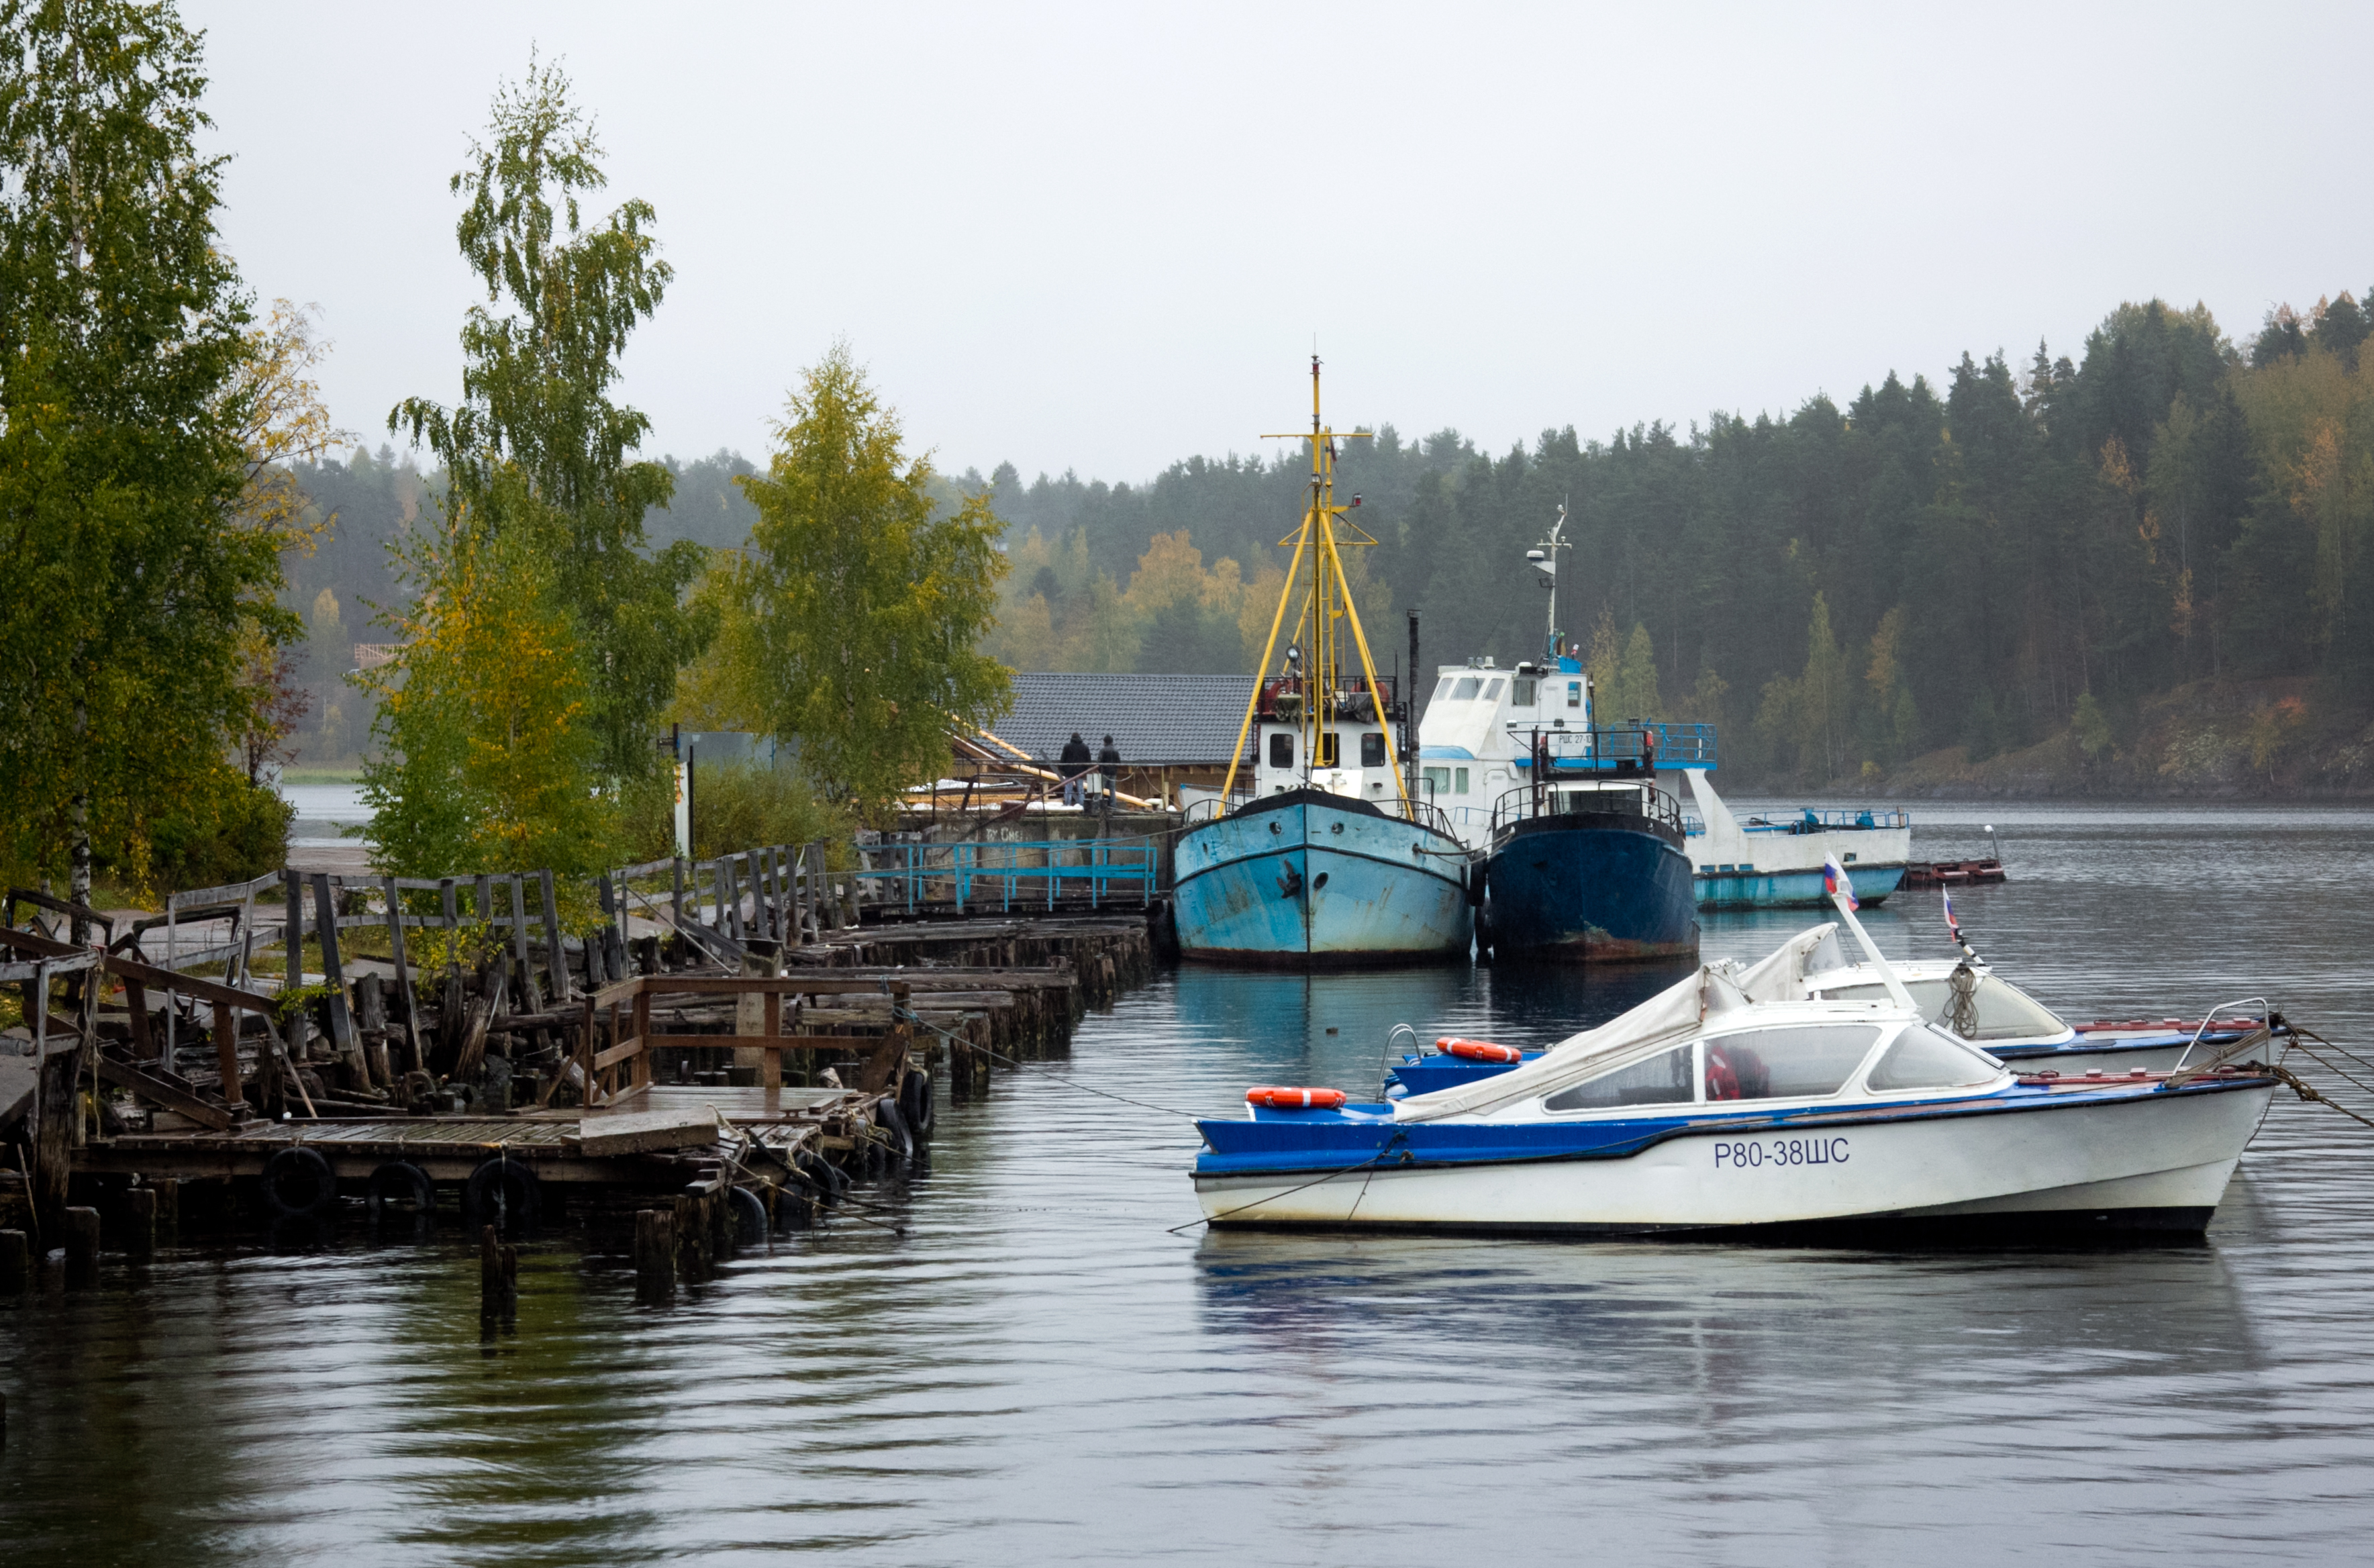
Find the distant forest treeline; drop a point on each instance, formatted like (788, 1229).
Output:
(1981, 565)
(1978, 565)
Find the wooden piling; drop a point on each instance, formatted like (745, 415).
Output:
(655, 1256)
(498, 1278)
(16, 1261)
(82, 1246)
(169, 1204)
(140, 1223)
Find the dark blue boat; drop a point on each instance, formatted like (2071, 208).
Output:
(1588, 861)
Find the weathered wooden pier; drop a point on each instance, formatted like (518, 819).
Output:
(723, 1050)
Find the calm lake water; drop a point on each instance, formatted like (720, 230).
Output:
(1042, 1369)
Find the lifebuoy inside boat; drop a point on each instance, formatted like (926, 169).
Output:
(1478, 1050)
(1735, 1072)
(1295, 1098)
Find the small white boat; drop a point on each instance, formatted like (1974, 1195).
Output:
(1775, 860)
(1973, 1002)
(1730, 1100)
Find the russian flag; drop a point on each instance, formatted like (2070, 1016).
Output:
(1836, 880)
(1951, 924)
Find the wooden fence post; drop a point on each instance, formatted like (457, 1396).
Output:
(226, 1058)
(531, 998)
(293, 892)
(557, 961)
(413, 1060)
(450, 907)
(614, 915)
(341, 1020)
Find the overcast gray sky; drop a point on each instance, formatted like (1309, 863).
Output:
(1102, 236)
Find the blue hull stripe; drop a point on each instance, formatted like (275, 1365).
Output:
(1791, 889)
(1301, 1143)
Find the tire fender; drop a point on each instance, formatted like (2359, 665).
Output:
(503, 1193)
(297, 1184)
(401, 1181)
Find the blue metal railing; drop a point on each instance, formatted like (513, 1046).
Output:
(1606, 748)
(980, 873)
(1810, 820)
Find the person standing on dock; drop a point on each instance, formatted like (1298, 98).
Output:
(1108, 764)
(1073, 764)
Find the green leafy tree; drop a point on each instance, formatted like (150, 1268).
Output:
(486, 712)
(865, 608)
(137, 578)
(539, 359)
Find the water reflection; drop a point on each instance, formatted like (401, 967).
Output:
(1009, 1354)
(1338, 1029)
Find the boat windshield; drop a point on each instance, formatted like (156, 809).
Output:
(1806, 1062)
(2005, 1012)
(1468, 686)
(1928, 1057)
(1662, 1080)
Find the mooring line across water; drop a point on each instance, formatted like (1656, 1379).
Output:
(995, 1055)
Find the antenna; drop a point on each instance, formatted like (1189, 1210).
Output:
(1544, 558)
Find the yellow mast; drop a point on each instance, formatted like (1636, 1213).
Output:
(1327, 600)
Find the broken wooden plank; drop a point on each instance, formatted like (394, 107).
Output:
(157, 1091)
(635, 1132)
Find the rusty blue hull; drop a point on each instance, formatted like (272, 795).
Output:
(1313, 880)
(1598, 888)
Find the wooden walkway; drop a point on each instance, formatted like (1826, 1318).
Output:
(613, 1145)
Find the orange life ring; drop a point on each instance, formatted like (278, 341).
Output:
(1296, 1099)
(1478, 1050)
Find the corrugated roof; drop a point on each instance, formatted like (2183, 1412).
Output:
(1152, 718)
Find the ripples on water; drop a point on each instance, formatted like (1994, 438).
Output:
(1039, 1369)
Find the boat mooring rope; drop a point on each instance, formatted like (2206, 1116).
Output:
(954, 1040)
(2309, 1091)
(1368, 1166)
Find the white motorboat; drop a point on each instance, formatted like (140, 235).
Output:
(1733, 1101)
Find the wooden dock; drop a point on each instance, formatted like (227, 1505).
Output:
(775, 1054)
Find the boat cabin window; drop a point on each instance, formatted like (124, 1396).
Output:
(1804, 1063)
(1662, 1080)
(1927, 1057)
(1327, 752)
(1520, 695)
(2005, 1012)
(1437, 780)
(1492, 692)
(1469, 684)
(1281, 750)
(1574, 694)
(1372, 749)
(1443, 689)
(1459, 786)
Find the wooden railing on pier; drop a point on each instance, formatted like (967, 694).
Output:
(627, 1008)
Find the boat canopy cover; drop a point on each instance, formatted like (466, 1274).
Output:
(1672, 1014)
(1781, 977)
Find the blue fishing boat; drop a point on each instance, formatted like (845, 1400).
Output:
(1586, 860)
(1322, 859)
